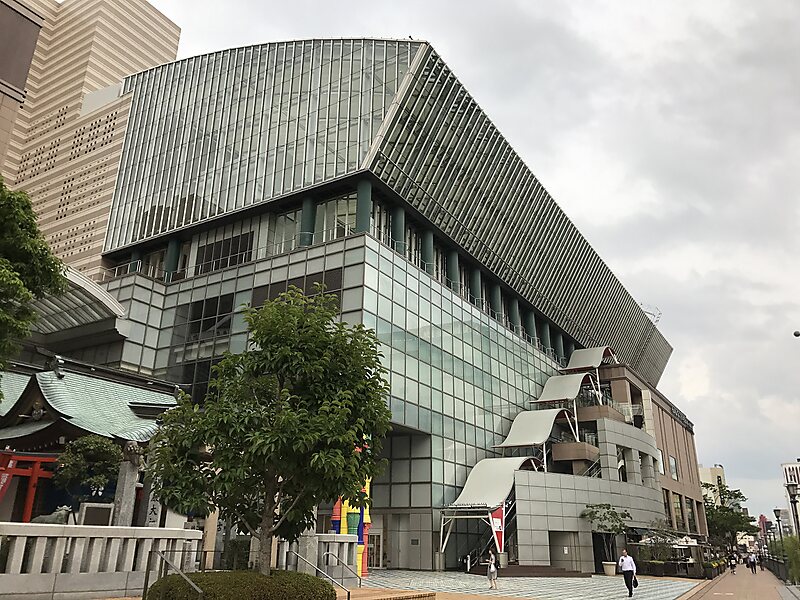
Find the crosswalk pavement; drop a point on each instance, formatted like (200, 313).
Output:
(541, 588)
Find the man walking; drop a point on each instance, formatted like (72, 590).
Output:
(751, 560)
(628, 568)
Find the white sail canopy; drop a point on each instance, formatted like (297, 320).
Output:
(532, 427)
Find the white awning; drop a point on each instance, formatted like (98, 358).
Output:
(532, 427)
(564, 387)
(591, 358)
(489, 482)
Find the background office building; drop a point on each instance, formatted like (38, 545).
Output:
(365, 165)
(66, 140)
(712, 476)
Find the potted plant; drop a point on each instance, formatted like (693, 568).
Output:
(708, 570)
(609, 523)
(657, 568)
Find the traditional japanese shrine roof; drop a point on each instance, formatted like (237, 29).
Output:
(12, 385)
(93, 403)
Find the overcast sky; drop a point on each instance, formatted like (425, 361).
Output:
(670, 133)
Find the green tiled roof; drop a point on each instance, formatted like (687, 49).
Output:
(101, 406)
(23, 429)
(11, 385)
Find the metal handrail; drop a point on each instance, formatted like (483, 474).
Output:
(318, 570)
(200, 593)
(345, 565)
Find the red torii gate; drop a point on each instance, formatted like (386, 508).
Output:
(24, 464)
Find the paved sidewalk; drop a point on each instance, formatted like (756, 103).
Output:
(460, 586)
(743, 586)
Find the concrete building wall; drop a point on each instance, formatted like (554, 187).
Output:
(63, 155)
(676, 455)
(549, 506)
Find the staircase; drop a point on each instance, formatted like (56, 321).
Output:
(529, 571)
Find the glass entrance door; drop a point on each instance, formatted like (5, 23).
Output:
(375, 550)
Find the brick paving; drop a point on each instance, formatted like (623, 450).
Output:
(743, 586)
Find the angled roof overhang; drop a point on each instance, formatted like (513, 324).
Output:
(591, 358)
(532, 427)
(489, 483)
(83, 303)
(84, 315)
(564, 387)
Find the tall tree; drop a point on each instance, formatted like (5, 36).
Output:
(28, 269)
(724, 515)
(295, 420)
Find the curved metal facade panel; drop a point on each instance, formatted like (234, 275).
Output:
(445, 157)
(216, 133)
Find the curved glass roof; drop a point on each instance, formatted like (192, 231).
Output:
(83, 303)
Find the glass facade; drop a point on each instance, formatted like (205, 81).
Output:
(219, 133)
(673, 468)
(267, 125)
(677, 505)
(215, 133)
(690, 515)
(456, 373)
(444, 156)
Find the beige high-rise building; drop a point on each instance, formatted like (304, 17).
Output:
(712, 476)
(66, 144)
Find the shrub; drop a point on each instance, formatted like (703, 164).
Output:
(244, 585)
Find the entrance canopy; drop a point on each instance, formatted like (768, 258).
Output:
(532, 427)
(591, 358)
(489, 483)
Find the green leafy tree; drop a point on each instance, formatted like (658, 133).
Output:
(88, 464)
(295, 420)
(657, 544)
(724, 515)
(28, 270)
(608, 522)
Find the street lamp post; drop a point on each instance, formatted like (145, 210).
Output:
(777, 512)
(791, 488)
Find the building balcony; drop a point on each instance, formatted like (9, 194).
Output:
(599, 411)
(574, 451)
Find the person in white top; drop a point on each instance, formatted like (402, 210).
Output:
(628, 568)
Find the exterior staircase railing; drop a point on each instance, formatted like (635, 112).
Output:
(593, 470)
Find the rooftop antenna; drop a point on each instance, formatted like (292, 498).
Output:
(654, 314)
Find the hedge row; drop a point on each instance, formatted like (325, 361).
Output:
(244, 585)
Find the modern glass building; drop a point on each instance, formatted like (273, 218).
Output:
(366, 165)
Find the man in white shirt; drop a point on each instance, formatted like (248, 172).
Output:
(628, 568)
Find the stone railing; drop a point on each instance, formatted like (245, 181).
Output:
(77, 561)
(319, 549)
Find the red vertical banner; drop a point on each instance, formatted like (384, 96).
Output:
(5, 478)
(498, 519)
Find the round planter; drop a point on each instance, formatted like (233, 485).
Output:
(609, 568)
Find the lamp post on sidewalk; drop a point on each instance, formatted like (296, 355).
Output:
(791, 489)
(782, 566)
